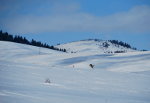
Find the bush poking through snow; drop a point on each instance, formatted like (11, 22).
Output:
(91, 65)
(47, 80)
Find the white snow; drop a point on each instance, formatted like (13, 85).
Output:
(116, 78)
(92, 46)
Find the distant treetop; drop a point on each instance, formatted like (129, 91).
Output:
(4, 36)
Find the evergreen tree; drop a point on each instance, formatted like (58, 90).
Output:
(19, 39)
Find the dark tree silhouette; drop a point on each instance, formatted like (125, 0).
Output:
(19, 39)
(116, 42)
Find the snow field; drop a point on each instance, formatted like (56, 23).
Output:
(119, 78)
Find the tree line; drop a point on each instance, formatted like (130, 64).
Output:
(116, 42)
(4, 36)
(121, 44)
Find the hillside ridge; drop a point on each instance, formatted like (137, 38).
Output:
(97, 45)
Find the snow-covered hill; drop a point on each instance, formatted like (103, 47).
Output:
(94, 46)
(115, 78)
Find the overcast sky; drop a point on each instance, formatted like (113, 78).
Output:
(60, 21)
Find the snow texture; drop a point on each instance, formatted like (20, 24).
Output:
(93, 46)
(115, 78)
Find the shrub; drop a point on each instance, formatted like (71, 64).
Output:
(91, 65)
(47, 80)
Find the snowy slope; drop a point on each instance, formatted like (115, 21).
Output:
(116, 78)
(93, 46)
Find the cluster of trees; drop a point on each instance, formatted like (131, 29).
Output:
(4, 36)
(121, 43)
(116, 42)
(119, 51)
(105, 44)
